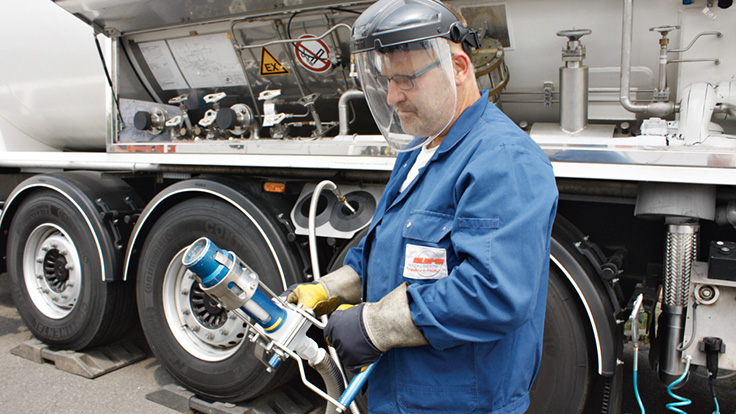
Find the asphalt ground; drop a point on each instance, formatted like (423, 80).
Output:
(31, 387)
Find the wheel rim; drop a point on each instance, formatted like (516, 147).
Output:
(199, 325)
(51, 270)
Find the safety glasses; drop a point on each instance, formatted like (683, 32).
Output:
(406, 82)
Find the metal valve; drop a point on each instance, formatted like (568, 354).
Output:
(574, 51)
(211, 115)
(573, 83)
(181, 101)
(662, 92)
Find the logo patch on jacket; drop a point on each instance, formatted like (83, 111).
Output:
(424, 263)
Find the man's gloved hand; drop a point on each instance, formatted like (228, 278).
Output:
(312, 296)
(360, 334)
(336, 288)
(345, 331)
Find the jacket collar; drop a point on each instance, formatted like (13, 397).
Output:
(463, 124)
(459, 129)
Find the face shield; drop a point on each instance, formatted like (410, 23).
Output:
(410, 89)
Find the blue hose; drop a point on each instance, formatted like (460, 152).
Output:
(636, 376)
(718, 409)
(681, 401)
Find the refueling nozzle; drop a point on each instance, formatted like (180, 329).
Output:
(223, 276)
(279, 327)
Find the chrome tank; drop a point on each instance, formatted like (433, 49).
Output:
(53, 92)
(52, 86)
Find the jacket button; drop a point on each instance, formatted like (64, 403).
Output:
(408, 224)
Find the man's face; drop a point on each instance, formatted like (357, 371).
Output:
(427, 106)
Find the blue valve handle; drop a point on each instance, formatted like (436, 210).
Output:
(355, 385)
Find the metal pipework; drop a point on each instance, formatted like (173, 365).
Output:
(654, 108)
(343, 108)
(681, 251)
(181, 101)
(573, 83)
(308, 102)
(662, 93)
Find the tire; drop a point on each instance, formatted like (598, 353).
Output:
(56, 277)
(565, 374)
(200, 344)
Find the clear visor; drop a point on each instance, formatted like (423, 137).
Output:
(410, 90)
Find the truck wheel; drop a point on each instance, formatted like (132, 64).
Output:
(202, 345)
(56, 277)
(564, 376)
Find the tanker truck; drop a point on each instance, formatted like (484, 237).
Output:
(130, 129)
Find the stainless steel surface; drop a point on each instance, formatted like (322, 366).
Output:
(573, 98)
(591, 135)
(681, 250)
(127, 16)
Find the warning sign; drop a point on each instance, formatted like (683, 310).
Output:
(270, 65)
(313, 54)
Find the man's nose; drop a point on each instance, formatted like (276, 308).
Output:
(395, 94)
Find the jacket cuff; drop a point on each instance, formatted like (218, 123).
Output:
(388, 322)
(345, 284)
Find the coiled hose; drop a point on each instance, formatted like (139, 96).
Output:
(332, 377)
(681, 401)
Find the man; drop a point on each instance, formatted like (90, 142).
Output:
(451, 279)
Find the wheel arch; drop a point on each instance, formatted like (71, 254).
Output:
(221, 188)
(80, 188)
(590, 293)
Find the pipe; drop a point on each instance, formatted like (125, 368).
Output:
(662, 83)
(681, 251)
(342, 108)
(654, 108)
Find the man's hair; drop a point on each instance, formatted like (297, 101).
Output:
(456, 47)
(459, 15)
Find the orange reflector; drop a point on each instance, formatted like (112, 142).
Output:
(274, 187)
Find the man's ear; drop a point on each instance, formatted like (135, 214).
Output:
(463, 68)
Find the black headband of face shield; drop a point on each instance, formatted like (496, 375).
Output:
(468, 38)
(458, 33)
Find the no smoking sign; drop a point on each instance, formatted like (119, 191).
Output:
(314, 55)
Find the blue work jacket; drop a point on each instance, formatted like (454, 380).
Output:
(471, 234)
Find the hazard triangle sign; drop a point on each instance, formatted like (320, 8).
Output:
(270, 65)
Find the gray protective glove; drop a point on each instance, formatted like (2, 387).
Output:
(388, 322)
